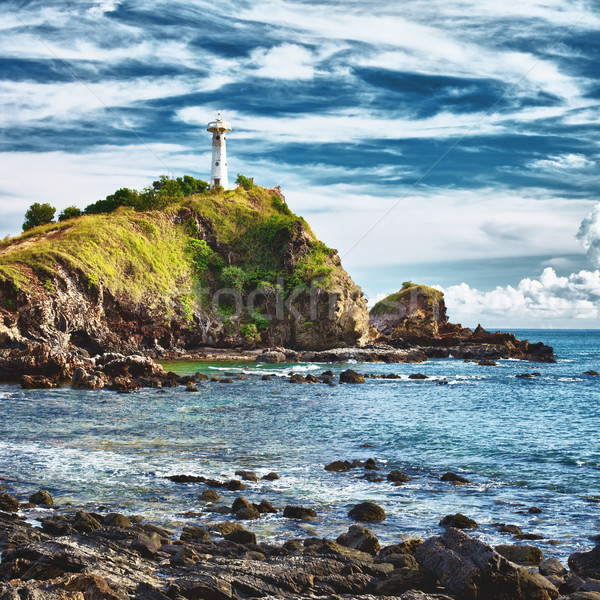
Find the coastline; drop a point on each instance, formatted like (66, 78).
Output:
(65, 550)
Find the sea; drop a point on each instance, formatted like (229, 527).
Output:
(522, 442)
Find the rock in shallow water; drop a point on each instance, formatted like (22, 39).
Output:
(367, 512)
(458, 521)
(359, 538)
(42, 497)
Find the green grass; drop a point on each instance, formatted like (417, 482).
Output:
(138, 258)
(388, 304)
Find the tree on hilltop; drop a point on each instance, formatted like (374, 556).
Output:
(38, 214)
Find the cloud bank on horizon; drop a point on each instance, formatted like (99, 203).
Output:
(347, 106)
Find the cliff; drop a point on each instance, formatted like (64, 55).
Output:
(221, 268)
(416, 316)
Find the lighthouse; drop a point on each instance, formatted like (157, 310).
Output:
(218, 174)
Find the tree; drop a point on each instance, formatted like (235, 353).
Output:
(38, 214)
(69, 213)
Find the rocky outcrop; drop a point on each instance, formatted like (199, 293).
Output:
(416, 317)
(473, 570)
(166, 282)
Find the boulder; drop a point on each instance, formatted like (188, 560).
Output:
(418, 376)
(522, 555)
(338, 466)
(116, 520)
(472, 570)
(8, 503)
(247, 514)
(396, 476)
(85, 523)
(235, 485)
(297, 378)
(42, 497)
(241, 536)
(586, 564)
(209, 496)
(271, 357)
(84, 380)
(247, 475)
(270, 477)
(37, 382)
(359, 538)
(454, 478)
(194, 534)
(371, 465)
(552, 566)
(367, 512)
(226, 527)
(459, 521)
(350, 376)
(512, 529)
(265, 507)
(299, 512)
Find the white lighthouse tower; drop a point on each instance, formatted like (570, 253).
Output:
(218, 174)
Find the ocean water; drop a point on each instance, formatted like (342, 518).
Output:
(523, 443)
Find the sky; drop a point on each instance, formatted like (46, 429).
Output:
(452, 143)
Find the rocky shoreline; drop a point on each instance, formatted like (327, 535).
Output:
(63, 553)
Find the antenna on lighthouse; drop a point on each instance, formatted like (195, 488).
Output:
(218, 174)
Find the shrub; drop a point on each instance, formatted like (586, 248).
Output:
(70, 213)
(235, 277)
(246, 182)
(249, 331)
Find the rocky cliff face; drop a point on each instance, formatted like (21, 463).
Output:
(225, 269)
(416, 316)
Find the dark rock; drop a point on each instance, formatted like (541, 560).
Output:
(311, 379)
(591, 373)
(271, 357)
(552, 566)
(85, 523)
(240, 503)
(146, 544)
(512, 529)
(534, 510)
(454, 478)
(586, 564)
(487, 363)
(201, 587)
(194, 534)
(338, 466)
(247, 514)
(521, 555)
(116, 520)
(418, 376)
(186, 478)
(226, 380)
(241, 536)
(367, 512)
(299, 512)
(405, 579)
(350, 376)
(525, 376)
(397, 477)
(234, 485)
(401, 561)
(9, 503)
(371, 464)
(472, 570)
(459, 521)
(209, 496)
(297, 378)
(247, 475)
(57, 526)
(190, 387)
(42, 497)
(529, 536)
(226, 527)
(265, 507)
(125, 385)
(35, 382)
(407, 547)
(270, 476)
(359, 538)
(83, 380)
(267, 377)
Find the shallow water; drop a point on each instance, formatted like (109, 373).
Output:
(522, 442)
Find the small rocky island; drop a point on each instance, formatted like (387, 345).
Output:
(204, 271)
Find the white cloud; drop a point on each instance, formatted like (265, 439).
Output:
(589, 235)
(539, 302)
(564, 162)
(288, 61)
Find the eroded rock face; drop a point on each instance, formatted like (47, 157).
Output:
(473, 570)
(416, 315)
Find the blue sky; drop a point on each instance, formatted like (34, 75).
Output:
(454, 143)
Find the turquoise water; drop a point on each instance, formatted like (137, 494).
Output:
(522, 442)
